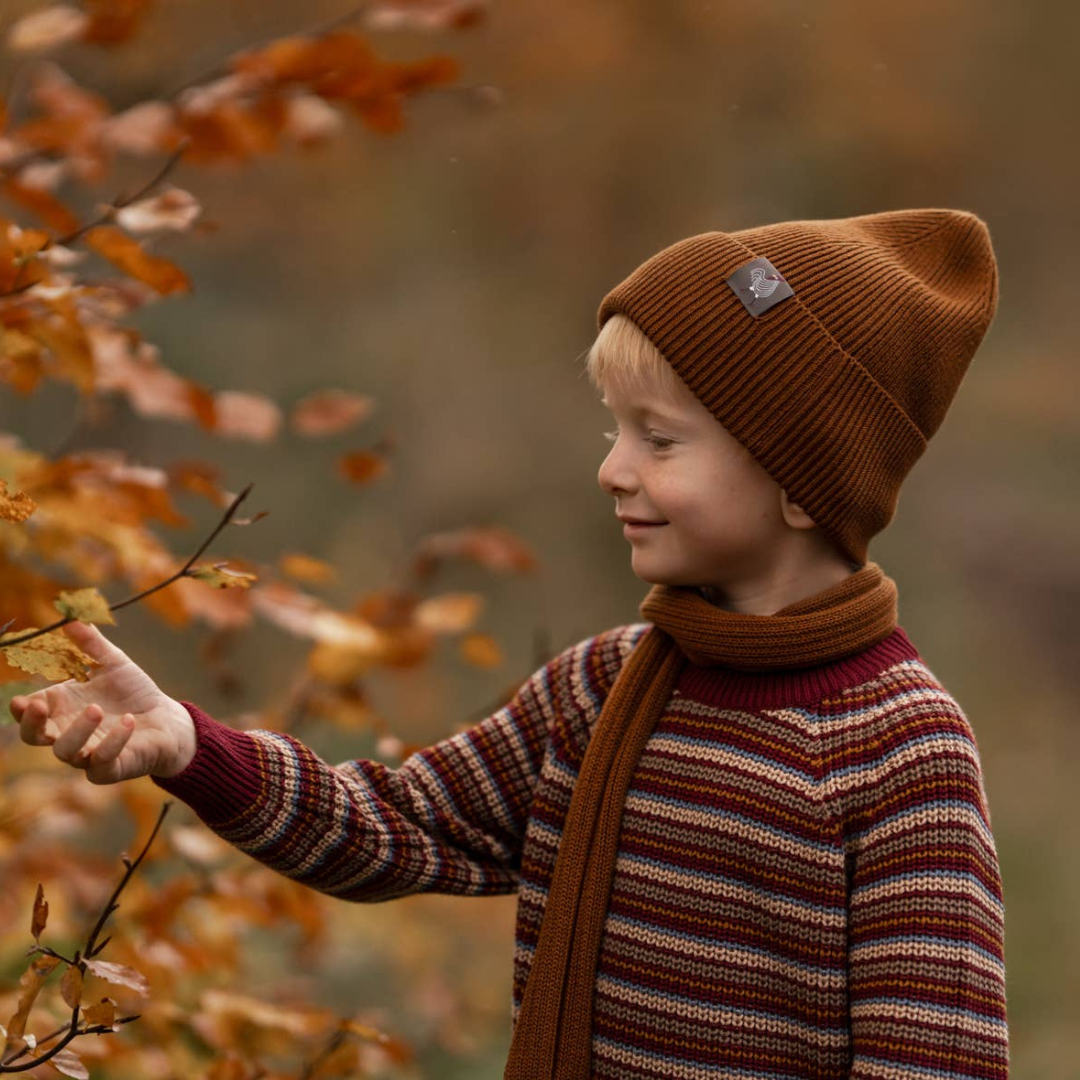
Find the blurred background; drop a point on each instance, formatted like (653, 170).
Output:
(453, 273)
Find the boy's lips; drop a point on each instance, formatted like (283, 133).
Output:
(636, 526)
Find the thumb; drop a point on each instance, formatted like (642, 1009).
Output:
(94, 643)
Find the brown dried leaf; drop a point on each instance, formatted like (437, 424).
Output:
(120, 974)
(493, 547)
(53, 655)
(71, 986)
(15, 507)
(306, 568)
(127, 254)
(450, 613)
(103, 1013)
(173, 210)
(481, 650)
(431, 15)
(363, 467)
(47, 29)
(86, 605)
(114, 21)
(221, 577)
(29, 987)
(242, 415)
(145, 128)
(45, 205)
(41, 913)
(328, 412)
(68, 1063)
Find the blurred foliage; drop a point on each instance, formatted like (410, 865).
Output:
(451, 275)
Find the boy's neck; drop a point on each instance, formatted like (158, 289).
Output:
(781, 585)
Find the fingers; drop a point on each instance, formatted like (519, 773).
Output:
(35, 728)
(70, 743)
(101, 765)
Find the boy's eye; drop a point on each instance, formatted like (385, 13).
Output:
(611, 436)
(658, 442)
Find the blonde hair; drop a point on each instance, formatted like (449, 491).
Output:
(623, 356)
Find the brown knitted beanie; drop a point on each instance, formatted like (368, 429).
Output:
(830, 349)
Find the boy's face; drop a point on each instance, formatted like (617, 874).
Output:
(696, 508)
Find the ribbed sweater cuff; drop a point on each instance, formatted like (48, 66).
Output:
(223, 779)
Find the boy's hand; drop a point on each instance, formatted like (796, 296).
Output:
(116, 725)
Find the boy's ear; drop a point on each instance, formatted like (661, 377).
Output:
(794, 514)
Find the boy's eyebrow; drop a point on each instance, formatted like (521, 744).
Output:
(645, 412)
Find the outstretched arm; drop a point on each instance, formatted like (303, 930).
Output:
(452, 818)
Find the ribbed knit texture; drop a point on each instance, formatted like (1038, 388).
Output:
(552, 1037)
(835, 390)
(806, 885)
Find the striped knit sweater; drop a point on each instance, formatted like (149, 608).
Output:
(806, 886)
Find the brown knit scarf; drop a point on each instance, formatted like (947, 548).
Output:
(553, 1035)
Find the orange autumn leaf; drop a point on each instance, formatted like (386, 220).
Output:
(481, 650)
(103, 1013)
(493, 547)
(30, 985)
(127, 254)
(327, 412)
(306, 568)
(114, 21)
(41, 913)
(363, 466)
(450, 613)
(42, 203)
(15, 506)
(71, 986)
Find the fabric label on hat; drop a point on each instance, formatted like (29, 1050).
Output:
(759, 285)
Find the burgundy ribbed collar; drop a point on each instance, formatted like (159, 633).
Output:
(843, 620)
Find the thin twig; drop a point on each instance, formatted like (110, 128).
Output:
(89, 951)
(222, 68)
(183, 572)
(331, 1046)
(126, 200)
(107, 214)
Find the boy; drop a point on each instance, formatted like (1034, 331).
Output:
(749, 837)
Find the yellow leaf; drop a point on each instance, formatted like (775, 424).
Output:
(222, 578)
(17, 507)
(307, 568)
(482, 650)
(86, 605)
(53, 655)
(450, 613)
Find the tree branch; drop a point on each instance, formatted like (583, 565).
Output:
(89, 951)
(182, 572)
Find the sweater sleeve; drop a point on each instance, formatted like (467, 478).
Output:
(451, 818)
(926, 962)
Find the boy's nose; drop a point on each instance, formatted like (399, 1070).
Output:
(615, 477)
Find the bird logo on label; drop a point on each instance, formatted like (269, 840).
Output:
(762, 284)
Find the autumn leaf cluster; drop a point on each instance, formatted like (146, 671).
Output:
(86, 533)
